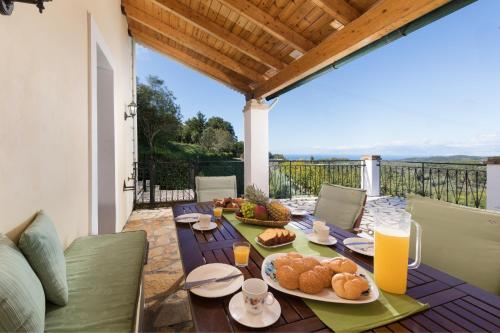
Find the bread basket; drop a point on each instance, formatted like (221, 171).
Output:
(264, 223)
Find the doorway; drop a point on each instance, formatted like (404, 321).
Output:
(102, 137)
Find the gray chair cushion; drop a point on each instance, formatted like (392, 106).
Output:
(209, 188)
(461, 241)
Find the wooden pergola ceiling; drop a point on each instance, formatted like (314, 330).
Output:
(258, 47)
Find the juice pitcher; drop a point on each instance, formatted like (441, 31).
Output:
(392, 247)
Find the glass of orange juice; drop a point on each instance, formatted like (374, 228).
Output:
(392, 246)
(218, 212)
(241, 253)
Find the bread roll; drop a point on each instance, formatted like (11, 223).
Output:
(287, 277)
(310, 283)
(299, 265)
(349, 286)
(324, 274)
(278, 262)
(342, 265)
(294, 255)
(310, 262)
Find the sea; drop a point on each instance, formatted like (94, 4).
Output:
(346, 157)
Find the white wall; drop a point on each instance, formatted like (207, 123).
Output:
(44, 113)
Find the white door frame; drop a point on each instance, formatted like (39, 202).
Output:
(96, 43)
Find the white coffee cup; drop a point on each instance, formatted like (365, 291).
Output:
(255, 295)
(205, 220)
(317, 224)
(323, 232)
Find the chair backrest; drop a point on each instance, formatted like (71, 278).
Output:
(461, 241)
(209, 188)
(340, 206)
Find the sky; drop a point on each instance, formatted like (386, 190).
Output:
(434, 92)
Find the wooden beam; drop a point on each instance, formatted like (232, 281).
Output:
(191, 62)
(339, 10)
(270, 24)
(190, 42)
(383, 18)
(205, 24)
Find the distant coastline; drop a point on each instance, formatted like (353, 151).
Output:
(446, 159)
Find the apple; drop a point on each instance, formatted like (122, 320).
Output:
(260, 212)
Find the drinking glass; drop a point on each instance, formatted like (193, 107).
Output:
(392, 246)
(241, 253)
(217, 213)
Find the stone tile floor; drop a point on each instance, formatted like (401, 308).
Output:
(166, 306)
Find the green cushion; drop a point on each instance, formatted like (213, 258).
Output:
(104, 274)
(22, 302)
(340, 206)
(461, 241)
(41, 246)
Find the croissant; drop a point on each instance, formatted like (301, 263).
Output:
(349, 286)
(342, 265)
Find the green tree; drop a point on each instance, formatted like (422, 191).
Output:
(219, 123)
(159, 117)
(193, 128)
(217, 140)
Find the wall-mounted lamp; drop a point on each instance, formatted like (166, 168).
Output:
(132, 111)
(7, 6)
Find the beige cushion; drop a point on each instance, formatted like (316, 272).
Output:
(461, 241)
(209, 188)
(340, 206)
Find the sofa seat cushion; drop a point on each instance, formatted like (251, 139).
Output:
(104, 275)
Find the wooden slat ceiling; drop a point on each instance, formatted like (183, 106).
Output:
(258, 47)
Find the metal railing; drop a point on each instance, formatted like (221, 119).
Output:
(294, 178)
(163, 183)
(463, 184)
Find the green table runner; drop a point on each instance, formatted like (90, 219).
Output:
(339, 317)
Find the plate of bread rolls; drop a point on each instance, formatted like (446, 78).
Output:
(335, 280)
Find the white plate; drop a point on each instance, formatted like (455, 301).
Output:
(365, 249)
(268, 317)
(299, 212)
(216, 289)
(211, 226)
(327, 295)
(188, 218)
(271, 246)
(314, 238)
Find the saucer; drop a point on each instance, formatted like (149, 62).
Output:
(211, 226)
(299, 212)
(360, 245)
(312, 237)
(215, 289)
(268, 317)
(188, 218)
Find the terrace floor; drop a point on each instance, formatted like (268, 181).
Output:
(166, 305)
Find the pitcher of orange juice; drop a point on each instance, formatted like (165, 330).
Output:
(392, 247)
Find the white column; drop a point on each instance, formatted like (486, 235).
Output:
(493, 183)
(256, 115)
(370, 175)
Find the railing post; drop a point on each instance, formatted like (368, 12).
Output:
(290, 179)
(493, 183)
(370, 177)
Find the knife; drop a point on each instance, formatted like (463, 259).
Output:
(194, 284)
(367, 243)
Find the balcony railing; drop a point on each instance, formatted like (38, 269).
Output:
(463, 184)
(295, 178)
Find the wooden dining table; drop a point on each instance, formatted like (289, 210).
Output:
(455, 306)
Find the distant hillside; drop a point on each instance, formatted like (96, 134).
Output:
(447, 159)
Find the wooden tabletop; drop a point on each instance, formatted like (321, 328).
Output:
(455, 305)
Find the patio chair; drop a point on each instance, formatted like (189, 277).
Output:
(209, 188)
(462, 241)
(341, 206)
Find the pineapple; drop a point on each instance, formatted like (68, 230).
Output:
(278, 212)
(255, 196)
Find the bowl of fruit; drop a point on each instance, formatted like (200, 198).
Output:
(229, 204)
(259, 210)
